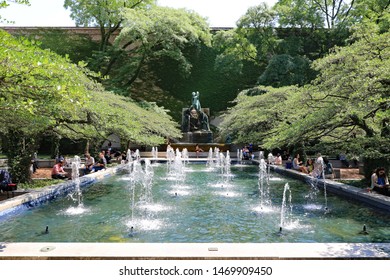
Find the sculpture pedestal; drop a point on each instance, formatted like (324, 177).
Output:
(197, 137)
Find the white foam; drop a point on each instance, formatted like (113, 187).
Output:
(74, 211)
(154, 207)
(145, 224)
(264, 209)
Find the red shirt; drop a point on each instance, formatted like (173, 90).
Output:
(57, 169)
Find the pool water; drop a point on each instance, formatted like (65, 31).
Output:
(203, 206)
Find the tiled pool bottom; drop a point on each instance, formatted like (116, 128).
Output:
(271, 251)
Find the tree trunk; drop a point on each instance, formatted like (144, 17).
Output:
(19, 150)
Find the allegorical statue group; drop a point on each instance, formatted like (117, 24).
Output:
(194, 119)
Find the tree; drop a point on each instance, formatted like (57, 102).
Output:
(299, 14)
(257, 112)
(152, 34)
(41, 92)
(373, 12)
(285, 70)
(102, 13)
(253, 40)
(347, 106)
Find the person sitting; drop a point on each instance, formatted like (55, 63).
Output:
(6, 184)
(89, 163)
(101, 163)
(278, 159)
(107, 156)
(297, 165)
(289, 163)
(198, 150)
(328, 169)
(58, 170)
(309, 165)
(245, 153)
(380, 181)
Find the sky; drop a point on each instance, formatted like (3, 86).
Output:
(219, 13)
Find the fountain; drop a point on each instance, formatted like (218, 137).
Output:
(185, 156)
(210, 159)
(76, 196)
(286, 209)
(202, 211)
(264, 191)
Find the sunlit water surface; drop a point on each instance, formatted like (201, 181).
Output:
(205, 206)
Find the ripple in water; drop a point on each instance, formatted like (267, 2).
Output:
(228, 194)
(154, 207)
(222, 185)
(179, 192)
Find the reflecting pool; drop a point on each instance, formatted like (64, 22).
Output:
(203, 204)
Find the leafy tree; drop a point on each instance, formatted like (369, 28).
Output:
(42, 93)
(373, 12)
(299, 14)
(258, 111)
(285, 70)
(253, 40)
(152, 34)
(347, 107)
(106, 14)
(336, 13)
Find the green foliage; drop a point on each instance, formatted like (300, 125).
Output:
(233, 49)
(77, 47)
(254, 41)
(299, 14)
(43, 93)
(345, 108)
(256, 113)
(101, 13)
(151, 35)
(373, 12)
(38, 184)
(284, 70)
(107, 15)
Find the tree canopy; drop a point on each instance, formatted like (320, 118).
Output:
(42, 92)
(345, 107)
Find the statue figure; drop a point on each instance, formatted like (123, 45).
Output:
(194, 119)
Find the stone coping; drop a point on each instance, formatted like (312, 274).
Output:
(208, 251)
(362, 195)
